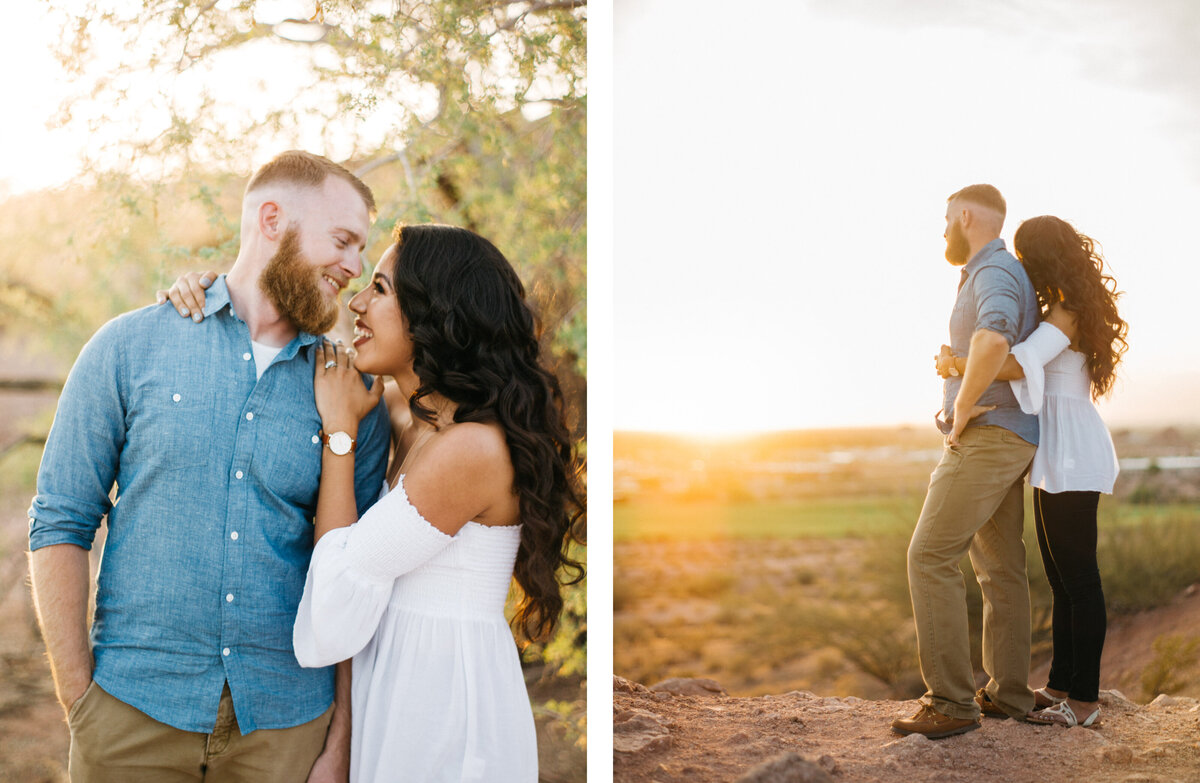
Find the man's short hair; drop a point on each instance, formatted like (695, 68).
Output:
(298, 167)
(983, 195)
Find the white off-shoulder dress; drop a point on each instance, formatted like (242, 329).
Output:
(438, 693)
(1075, 451)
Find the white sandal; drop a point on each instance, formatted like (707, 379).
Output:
(1063, 715)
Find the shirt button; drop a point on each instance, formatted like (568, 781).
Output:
(239, 474)
(246, 356)
(233, 535)
(250, 416)
(176, 397)
(316, 439)
(225, 652)
(229, 598)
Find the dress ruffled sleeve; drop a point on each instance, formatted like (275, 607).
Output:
(351, 574)
(1033, 354)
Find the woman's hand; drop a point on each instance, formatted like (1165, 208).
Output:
(342, 397)
(187, 294)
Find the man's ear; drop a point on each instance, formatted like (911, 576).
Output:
(966, 217)
(270, 220)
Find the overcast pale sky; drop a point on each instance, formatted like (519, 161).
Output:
(780, 180)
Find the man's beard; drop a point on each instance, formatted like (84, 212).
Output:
(294, 287)
(958, 249)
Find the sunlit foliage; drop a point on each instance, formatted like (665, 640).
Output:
(453, 111)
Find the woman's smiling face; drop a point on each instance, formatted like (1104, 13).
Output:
(381, 335)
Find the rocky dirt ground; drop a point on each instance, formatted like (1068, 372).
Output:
(689, 730)
(692, 730)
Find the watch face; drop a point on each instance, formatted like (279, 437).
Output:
(339, 443)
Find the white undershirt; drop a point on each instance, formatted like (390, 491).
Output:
(263, 356)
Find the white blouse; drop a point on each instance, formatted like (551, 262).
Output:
(1075, 452)
(437, 692)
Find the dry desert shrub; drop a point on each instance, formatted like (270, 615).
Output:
(1173, 666)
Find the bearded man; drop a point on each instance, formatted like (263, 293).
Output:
(211, 436)
(975, 498)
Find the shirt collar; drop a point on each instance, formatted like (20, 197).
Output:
(985, 252)
(216, 297)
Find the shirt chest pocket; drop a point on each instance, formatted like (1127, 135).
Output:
(291, 466)
(170, 427)
(962, 321)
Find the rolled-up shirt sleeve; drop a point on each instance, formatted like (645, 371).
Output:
(998, 302)
(79, 464)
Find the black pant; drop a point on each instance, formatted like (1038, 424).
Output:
(1066, 533)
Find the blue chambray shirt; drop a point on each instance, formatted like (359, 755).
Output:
(211, 531)
(994, 293)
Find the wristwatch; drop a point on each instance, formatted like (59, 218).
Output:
(340, 443)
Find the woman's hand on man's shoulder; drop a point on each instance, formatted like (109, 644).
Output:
(187, 294)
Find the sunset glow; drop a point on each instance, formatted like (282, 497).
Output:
(782, 266)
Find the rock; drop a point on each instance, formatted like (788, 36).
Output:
(622, 685)
(907, 744)
(1162, 700)
(1080, 736)
(740, 738)
(1115, 698)
(1115, 754)
(787, 768)
(801, 694)
(829, 764)
(637, 730)
(689, 686)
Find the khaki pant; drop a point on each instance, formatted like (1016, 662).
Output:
(112, 742)
(975, 503)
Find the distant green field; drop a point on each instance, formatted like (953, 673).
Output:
(833, 518)
(826, 518)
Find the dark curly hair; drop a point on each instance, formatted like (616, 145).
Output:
(476, 343)
(1064, 266)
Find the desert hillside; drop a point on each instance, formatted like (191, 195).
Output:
(689, 733)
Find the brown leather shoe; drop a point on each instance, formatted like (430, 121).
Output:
(934, 724)
(987, 707)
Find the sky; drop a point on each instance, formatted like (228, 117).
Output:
(780, 181)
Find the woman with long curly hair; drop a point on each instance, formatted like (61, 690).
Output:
(482, 488)
(1058, 372)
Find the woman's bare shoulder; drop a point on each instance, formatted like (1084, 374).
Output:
(464, 473)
